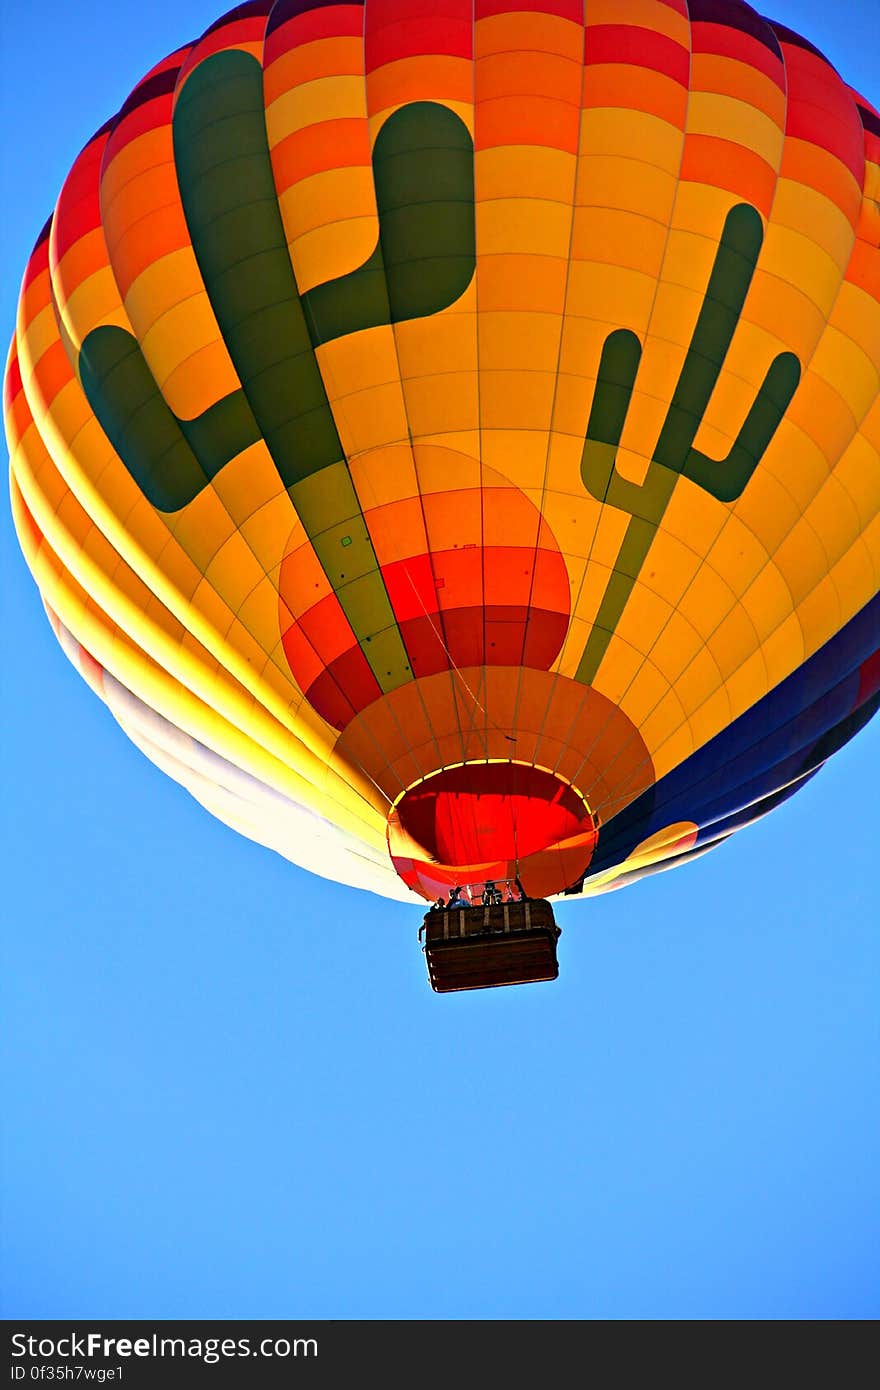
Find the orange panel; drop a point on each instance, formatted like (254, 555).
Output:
(725, 164)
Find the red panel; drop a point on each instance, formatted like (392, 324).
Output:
(508, 574)
(459, 576)
(327, 628)
(423, 639)
(733, 43)
(726, 164)
(545, 634)
(551, 587)
(396, 30)
(464, 635)
(382, 13)
(325, 22)
(301, 656)
(13, 383)
(490, 811)
(627, 43)
(38, 263)
(150, 115)
(821, 109)
(346, 687)
(411, 588)
(352, 674)
(869, 678)
(79, 208)
(325, 696)
(492, 820)
(505, 638)
(563, 9)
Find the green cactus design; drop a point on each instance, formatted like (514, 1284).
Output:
(423, 170)
(674, 455)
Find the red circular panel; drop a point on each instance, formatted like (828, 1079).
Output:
(501, 599)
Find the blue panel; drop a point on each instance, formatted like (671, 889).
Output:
(749, 766)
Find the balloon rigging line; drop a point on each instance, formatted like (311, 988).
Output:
(453, 666)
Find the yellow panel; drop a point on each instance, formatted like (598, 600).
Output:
(847, 369)
(858, 571)
(516, 457)
(631, 184)
(727, 118)
(438, 344)
(203, 527)
(768, 509)
(711, 717)
(612, 130)
(521, 225)
(707, 601)
(733, 642)
(801, 483)
(781, 308)
(694, 517)
(450, 407)
(146, 151)
(702, 208)
(268, 529)
(795, 257)
(235, 573)
(809, 212)
(178, 334)
(325, 99)
(368, 419)
(700, 679)
(611, 295)
(384, 476)
(768, 601)
(516, 400)
(617, 671)
(163, 284)
(620, 238)
(94, 303)
(506, 170)
(643, 619)
(823, 415)
(784, 650)
(442, 469)
(644, 694)
(747, 684)
(39, 334)
(819, 614)
(667, 735)
(859, 473)
(857, 314)
(334, 246)
(519, 342)
(834, 518)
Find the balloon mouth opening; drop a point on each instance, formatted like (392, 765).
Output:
(498, 821)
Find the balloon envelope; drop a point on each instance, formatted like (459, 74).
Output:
(450, 443)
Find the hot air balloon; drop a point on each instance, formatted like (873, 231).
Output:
(447, 437)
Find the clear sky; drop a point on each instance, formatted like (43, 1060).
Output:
(228, 1090)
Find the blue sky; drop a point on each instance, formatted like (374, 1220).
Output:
(228, 1089)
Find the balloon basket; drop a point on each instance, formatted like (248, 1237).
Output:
(479, 947)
